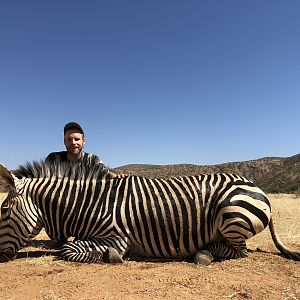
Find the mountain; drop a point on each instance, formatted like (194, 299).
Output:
(272, 174)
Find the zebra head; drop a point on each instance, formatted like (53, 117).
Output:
(14, 226)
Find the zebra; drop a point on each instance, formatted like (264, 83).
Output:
(203, 217)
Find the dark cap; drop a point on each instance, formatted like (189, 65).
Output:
(73, 125)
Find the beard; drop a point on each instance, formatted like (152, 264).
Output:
(74, 151)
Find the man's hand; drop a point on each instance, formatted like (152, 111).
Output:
(114, 175)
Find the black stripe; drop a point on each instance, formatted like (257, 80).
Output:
(202, 210)
(142, 203)
(151, 215)
(168, 215)
(253, 209)
(133, 222)
(121, 184)
(160, 217)
(184, 214)
(130, 206)
(193, 209)
(44, 203)
(233, 215)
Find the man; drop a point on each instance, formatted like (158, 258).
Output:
(74, 141)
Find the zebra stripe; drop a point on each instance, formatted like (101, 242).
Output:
(206, 216)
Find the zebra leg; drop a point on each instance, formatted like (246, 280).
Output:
(88, 252)
(203, 257)
(220, 250)
(111, 255)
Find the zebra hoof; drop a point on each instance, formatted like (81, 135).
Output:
(203, 257)
(111, 255)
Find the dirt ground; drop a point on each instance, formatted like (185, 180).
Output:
(37, 272)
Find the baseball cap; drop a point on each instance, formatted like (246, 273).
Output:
(73, 125)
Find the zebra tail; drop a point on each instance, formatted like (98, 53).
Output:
(280, 246)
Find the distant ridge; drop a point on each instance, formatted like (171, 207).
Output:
(272, 174)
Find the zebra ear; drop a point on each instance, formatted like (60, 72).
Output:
(8, 177)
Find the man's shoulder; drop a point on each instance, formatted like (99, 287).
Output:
(90, 154)
(61, 155)
(57, 153)
(91, 158)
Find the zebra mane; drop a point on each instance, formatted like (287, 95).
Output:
(44, 169)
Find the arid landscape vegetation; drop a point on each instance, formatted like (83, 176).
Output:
(38, 273)
(272, 174)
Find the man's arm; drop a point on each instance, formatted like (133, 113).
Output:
(111, 174)
(114, 175)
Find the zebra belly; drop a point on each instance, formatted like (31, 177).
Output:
(173, 250)
(136, 250)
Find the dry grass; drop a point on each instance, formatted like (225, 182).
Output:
(285, 211)
(2, 196)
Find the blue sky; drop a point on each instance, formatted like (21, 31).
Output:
(157, 82)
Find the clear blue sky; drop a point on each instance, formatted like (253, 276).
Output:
(158, 82)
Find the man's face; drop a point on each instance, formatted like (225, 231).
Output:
(74, 141)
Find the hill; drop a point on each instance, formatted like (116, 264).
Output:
(272, 174)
